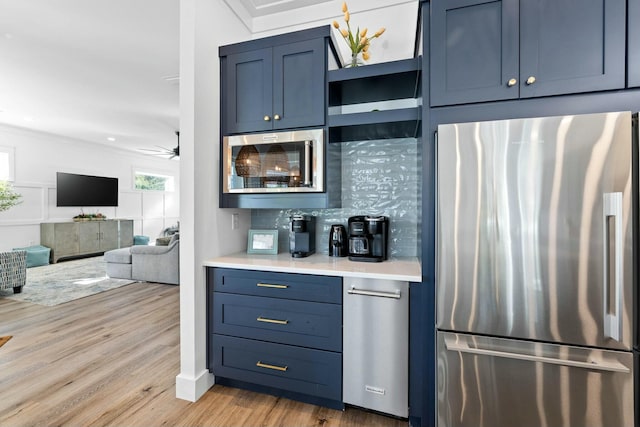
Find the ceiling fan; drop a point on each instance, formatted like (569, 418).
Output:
(165, 152)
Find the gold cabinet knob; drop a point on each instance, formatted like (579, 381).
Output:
(276, 117)
(512, 82)
(531, 80)
(267, 118)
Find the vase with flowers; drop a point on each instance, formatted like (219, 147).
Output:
(359, 42)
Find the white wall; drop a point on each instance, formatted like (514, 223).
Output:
(38, 156)
(206, 229)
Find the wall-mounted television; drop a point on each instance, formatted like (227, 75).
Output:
(86, 190)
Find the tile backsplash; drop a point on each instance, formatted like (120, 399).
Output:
(380, 177)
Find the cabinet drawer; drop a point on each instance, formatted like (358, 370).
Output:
(302, 370)
(303, 323)
(304, 287)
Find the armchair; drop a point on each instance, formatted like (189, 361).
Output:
(13, 270)
(156, 263)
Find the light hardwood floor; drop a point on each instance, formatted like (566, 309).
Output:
(111, 360)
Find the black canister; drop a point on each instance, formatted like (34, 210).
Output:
(338, 241)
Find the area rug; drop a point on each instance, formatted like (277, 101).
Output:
(3, 340)
(65, 281)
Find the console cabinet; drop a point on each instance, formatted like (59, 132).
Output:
(275, 83)
(486, 50)
(277, 330)
(69, 239)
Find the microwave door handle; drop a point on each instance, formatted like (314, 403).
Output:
(612, 209)
(461, 345)
(308, 163)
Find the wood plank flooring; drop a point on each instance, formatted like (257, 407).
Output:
(111, 360)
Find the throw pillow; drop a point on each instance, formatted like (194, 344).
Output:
(163, 241)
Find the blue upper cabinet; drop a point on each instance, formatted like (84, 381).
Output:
(507, 49)
(633, 56)
(274, 83)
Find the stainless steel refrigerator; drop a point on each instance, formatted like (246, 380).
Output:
(536, 272)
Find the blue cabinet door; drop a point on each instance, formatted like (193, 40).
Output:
(275, 88)
(571, 46)
(249, 91)
(633, 53)
(474, 51)
(301, 323)
(290, 286)
(302, 370)
(298, 87)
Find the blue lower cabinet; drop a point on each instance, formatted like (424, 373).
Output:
(301, 323)
(289, 286)
(297, 369)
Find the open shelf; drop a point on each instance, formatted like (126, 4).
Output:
(371, 84)
(403, 123)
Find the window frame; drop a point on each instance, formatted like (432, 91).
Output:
(11, 152)
(170, 178)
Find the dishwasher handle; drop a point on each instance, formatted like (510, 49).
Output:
(366, 292)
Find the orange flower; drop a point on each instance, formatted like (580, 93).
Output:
(344, 33)
(344, 6)
(379, 32)
(363, 33)
(346, 16)
(365, 56)
(336, 25)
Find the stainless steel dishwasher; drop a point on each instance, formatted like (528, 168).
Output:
(375, 351)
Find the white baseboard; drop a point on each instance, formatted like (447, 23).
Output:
(192, 388)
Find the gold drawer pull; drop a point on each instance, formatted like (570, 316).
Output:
(269, 285)
(274, 367)
(267, 320)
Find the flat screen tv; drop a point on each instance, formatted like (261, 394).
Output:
(86, 190)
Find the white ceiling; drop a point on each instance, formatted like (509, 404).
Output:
(266, 7)
(101, 71)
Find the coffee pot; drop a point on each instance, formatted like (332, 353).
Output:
(338, 241)
(368, 238)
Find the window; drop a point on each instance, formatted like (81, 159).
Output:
(153, 181)
(6, 163)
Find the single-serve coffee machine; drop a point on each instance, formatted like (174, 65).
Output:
(368, 238)
(302, 236)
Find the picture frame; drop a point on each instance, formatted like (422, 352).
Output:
(263, 242)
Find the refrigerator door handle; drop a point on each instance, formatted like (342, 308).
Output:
(461, 345)
(612, 319)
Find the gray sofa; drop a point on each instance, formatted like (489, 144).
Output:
(159, 264)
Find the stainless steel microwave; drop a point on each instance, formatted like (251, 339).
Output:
(276, 162)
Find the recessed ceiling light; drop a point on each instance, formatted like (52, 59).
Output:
(110, 138)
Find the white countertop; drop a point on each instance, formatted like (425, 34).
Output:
(407, 269)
